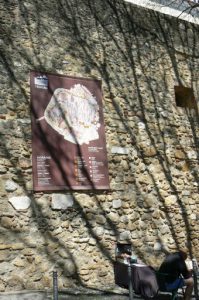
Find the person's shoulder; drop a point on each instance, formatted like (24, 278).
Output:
(174, 254)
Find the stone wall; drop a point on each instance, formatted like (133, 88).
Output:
(152, 144)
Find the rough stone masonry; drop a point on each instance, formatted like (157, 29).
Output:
(153, 203)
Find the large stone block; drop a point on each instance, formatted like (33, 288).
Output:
(62, 201)
(20, 202)
(119, 150)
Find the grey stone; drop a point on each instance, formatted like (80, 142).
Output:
(62, 201)
(164, 229)
(141, 125)
(70, 268)
(99, 231)
(170, 200)
(124, 219)
(114, 217)
(192, 154)
(186, 193)
(92, 242)
(157, 246)
(125, 236)
(10, 186)
(193, 217)
(5, 268)
(3, 170)
(119, 150)
(117, 203)
(100, 219)
(20, 202)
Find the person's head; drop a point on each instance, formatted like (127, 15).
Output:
(183, 253)
(128, 251)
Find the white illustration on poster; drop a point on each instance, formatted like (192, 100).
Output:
(73, 113)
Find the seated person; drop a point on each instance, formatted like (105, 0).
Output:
(174, 265)
(124, 256)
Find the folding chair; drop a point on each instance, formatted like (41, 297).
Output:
(162, 279)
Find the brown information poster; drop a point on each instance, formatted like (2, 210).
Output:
(68, 136)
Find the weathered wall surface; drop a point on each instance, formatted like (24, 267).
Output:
(152, 144)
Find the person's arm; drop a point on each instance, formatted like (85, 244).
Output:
(184, 270)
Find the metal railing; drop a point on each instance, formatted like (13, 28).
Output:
(55, 286)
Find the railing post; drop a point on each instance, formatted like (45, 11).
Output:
(195, 277)
(55, 286)
(130, 282)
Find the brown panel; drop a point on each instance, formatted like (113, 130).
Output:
(68, 136)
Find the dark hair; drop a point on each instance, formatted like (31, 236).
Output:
(127, 251)
(183, 254)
